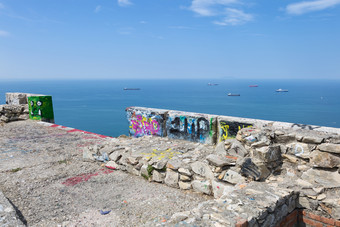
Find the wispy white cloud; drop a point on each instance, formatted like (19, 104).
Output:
(234, 17)
(208, 7)
(310, 6)
(221, 9)
(4, 33)
(98, 8)
(124, 2)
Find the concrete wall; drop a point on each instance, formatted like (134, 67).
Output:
(198, 127)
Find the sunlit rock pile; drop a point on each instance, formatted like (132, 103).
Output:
(288, 163)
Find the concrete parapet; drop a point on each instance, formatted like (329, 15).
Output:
(17, 98)
(193, 127)
(199, 127)
(146, 121)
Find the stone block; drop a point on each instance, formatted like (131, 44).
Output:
(324, 159)
(312, 139)
(233, 177)
(329, 147)
(202, 186)
(301, 150)
(268, 154)
(193, 127)
(146, 121)
(171, 178)
(158, 176)
(184, 185)
(254, 169)
(185, 172)
(220, 161)
(202, 169)
(221, 188)
(16, 98)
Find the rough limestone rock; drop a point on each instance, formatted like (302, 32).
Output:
(115, 156)
(237, 149)
(221, 188)
(268, 154)
(332, 207)
(301, 150)
(254, 169)
(185, 172)
(202, 186)
(184, 178)
(174, 164)
(233, 177)
(324, 160)
(184, 185)
(160, 164)
(112, 165)
(158, 176)
(325, 178)
(219, 161)
(202, 169)
(220, 149)
(180, 216)
(88, 155)
(171, 178)
(312, 139)
(329, 147)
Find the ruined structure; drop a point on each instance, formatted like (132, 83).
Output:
(259, 173)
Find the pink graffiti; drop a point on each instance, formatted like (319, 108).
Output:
(84, 177)
(144, 126)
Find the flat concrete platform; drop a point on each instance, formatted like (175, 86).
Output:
(43, 176)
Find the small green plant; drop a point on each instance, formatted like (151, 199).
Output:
(145, 177)
(150, 169)
(62, 161)
(15, 170)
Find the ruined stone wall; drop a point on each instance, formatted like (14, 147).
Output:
(198, 127)
(302, 159)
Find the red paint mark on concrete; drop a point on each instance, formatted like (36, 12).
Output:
(231, 157)
(72, 181)
(54, 126)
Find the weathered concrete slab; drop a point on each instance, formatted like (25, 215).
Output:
(193, 127)
(18, 98)
(8, 215)
(43, 174)
(146, 121)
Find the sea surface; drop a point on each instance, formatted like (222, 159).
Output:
(99, 105)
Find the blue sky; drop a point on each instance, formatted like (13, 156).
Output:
(82, 39)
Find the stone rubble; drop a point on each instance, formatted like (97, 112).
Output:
(302, 166)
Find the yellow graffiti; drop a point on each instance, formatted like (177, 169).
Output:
(225, 128)
(169, 154)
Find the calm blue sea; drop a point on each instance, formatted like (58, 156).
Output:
(99, 105)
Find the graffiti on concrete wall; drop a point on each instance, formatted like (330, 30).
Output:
(41, 108)
(145, 123)
(189, 128)
(229, 130)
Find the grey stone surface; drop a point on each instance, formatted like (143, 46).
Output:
(202, 169)
(329, 147)
(233, 177)
(171, 178)
(220, 161)
(8, 215)
(324, 159)
(202, 186)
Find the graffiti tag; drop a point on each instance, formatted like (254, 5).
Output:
(229, 130)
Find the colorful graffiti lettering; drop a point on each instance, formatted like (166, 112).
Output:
(189, 128)
(41, 108)
(229, 130)
(169, 154)
(144, 126)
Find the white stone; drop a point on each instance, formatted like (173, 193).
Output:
(202, 186)
(202, 169)
(171, 178)
(233, 177)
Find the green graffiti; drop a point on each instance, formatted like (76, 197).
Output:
(41, 108)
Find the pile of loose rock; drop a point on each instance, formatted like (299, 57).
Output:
(10, 113)
(287, 162)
